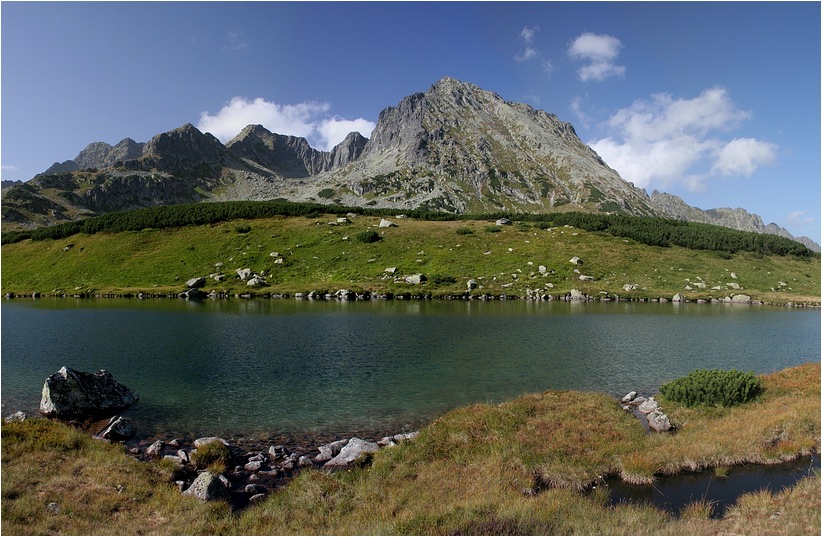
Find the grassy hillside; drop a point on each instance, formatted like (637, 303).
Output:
(514, 468)
(314, 255)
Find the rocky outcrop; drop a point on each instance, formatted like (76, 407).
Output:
(75, 394)
(100, 155)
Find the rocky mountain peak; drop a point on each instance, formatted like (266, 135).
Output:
(183, 149)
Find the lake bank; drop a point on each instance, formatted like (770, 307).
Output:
(469, 471)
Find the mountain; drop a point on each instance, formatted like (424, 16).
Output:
(675, 207)
(455, 147)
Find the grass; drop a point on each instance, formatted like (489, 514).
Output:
(318, 256)
(514, 468)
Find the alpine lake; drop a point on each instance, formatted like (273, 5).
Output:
(265, 368)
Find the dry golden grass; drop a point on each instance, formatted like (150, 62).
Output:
(513, 468)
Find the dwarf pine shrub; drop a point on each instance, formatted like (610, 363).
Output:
(367, 236)
(713, 387)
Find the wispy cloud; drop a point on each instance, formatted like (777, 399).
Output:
(579, 113)
(234, 41)
(664, 141)
(530, 51)
(308, 119)
(9, 168)
(798, 218)
(598, 52)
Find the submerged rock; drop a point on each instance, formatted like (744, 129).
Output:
(118, 429)
(76, 394)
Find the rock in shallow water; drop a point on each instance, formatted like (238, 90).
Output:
(76, 394)
(208, 487)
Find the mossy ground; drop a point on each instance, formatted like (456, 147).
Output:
(514, 468)
(318, 256)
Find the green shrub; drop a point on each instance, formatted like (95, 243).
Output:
(367, 236)
(440, 279)
(713, 387)
(325, 193)
(243, 228)
(213, 453)
(492, 229)
(465, 231)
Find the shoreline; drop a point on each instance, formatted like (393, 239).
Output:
(345, 295)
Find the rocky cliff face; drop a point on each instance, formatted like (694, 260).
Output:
(454, 147)
(292, 156)
(100, 155)
(459, 148)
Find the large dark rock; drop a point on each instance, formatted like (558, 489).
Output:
(119, 429)
(77, 394)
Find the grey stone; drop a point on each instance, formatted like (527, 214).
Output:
(630, 396)
(741, 299)
(659, 422)
(472, 284)
(196, 282)
(208, 487)
(353, 450)
(416, 279)
(648, 406)
(118, 429)
(253, 466)
(387, 223)
(244, 273)
(585, 278)
(503, 222)
(329, 451)
(404, 437)
(16, 416)
(305, 461)
(678, 298)
(575, 260)
(73, 394)
(257, 498)
(256, 281)
(53, 507)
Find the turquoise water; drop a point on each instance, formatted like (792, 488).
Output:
(235, 367)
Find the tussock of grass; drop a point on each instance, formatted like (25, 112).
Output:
(483, 469)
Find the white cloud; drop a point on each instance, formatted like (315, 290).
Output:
(663, 140)
(799, 218)
(576, 108)
(530, 52)
(741, 156)
(528, 33)
(9, 168)
(304, 119)
(599, 53)
(234, 41)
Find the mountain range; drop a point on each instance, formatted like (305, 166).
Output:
(454, 147)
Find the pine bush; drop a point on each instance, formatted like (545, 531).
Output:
(713, 387)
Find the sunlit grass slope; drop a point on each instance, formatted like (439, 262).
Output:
(317, 256)
(514, 468)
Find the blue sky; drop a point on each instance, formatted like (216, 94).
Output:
(718, 103)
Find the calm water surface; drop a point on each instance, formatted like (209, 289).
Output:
(235, 367)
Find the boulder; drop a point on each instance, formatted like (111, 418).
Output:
(387, 223)
(576, 294)
(353, 450)
(76, 394)
(329, 451)
(208, 487)
(575, 260)
(678, 298)
(472, 284)
(741, 299)
(244, 273)
(503, 222)
(256, 281)
(659, 422)
(630, 396)
(630, 287)
(197, 282)
(648, 406)
(155, 449)
(542, 269)
(119, 429)
(415, 279)
(585, 278)
(16, 416)
(404, 437)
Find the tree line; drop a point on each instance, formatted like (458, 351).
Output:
(651, 231)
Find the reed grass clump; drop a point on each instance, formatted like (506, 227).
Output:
(713, 387)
